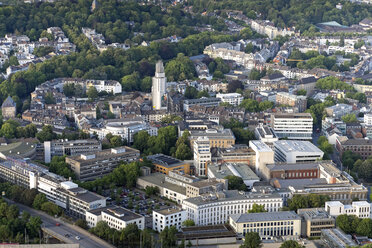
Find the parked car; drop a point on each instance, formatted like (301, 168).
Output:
(77, 238)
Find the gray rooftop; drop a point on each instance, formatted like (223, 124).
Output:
(159, 180)
(291, 166)
(233, 169)
(267, 216)
(296, 146)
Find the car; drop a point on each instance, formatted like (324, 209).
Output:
(58, 224)
(67, 235)
(77, 238)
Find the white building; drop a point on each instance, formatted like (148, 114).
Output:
(116, 217)
(264, 155)
(234, 99)
(293, 126)
(362, 209)
(109, 86)
(202, 155)
(167, 218)
(266, 134)
(158, 87)
(217, 208)
(295, 151)
(368, 119)
(284, 224)
(339, 110)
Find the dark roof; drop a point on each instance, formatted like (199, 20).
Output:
(8, 103)
(366, 21)
(275, 76)
(307, 80)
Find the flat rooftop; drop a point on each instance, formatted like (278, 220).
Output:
(233, 169)
(159, 180)
(107, 153)
(165, 160)
(121, 213)
(313, 213)
(259, 145)
(205, 232)
(169, 211)
(213, 133)
(293, 116)
(290, 166)
(296, 146)
(267, 216)
(18, 148)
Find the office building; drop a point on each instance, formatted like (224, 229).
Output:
(202, 187)
(361, 209)
(204, 101)
(168, 217)
(266, 134)
(297, 126)
(285, 98)
(233, 169)
(69, 148)
(239, 153)
(296, 151)
(164, 164)
(96, 165)
(221, 138)
(284, 224)
(234, 99)
(314, 220)
(216, 208)
(116, 217)
(264, 155)
(159, 98)
(202, 155)
(335, 238)
(284, 170)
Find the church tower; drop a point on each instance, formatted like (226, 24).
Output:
(159, 97)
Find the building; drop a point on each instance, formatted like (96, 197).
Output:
(74, 200)
(233, 169)
(116, 217)
(96, 165)
(202, 155)
(367, 119)
(159, 99)
(266, 134)
(69, 148)
(202, 187)
(221, 138)
(295, 151)
(285, 98)
(363, 147)
(293, 126)
(335, 238)
(204, 101)
(234, 99)
(9, 108)
(168, 217)
(361, 209)
(338, 110)
(264, 155)
(216, 208)
(292, 170)
(269, 225)
(240, 153)
(164, 164)
(307, 84)
(314, 220)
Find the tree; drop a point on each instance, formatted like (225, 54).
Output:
(50, 208)
(234, 85)
(46, 134)
(183, 152)
(151, 190)
(34, 225)
(365, 227)
(256, 208)
(291, 244)
(202, 93)
(180, 68)
(235, 183)
(191, 92)
(301, 92)
(49, 98)
(92, 93)
(168, 237)
(140, 140)
(188, 223)
(252, 240)
(39, 200)
(348, 118)
(81, 223)
(347, 223)
(250, 105)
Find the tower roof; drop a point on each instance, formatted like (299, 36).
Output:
(8, 102)
(159, 67)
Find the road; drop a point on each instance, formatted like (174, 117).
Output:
(49, 223)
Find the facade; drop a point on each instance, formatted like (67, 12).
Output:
(339, 110)
(221, 138)
(295, 151)
(158, 90)
(264, 155)
(266, 134)
(167, 217)
(292, 170)
(216, 208)
(284, 224)
(285, 98)
(69, 148)
(116, 217)
(164, 164)
(96, 165)
(335, 238)
(202, 155)
(204, 101)
(363, 147)
(9, 108)
(234, 99)
(361, 209)
(293, 126)
(307, 84)
(314, 220)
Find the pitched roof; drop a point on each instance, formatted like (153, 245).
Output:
(8, 103)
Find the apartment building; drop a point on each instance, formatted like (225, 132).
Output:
(297, 126)
(338, 110)
(285, 98)
(202, 155)
(361, 209)
(269, 225)
(216, 208)
(314, 220)
(234, 99)
(69, 148)
(116, 217)
(164, 164)
(167, 218)
(296, 151)
(204, 101)
(96, 165)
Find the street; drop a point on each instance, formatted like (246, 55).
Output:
(87, 240)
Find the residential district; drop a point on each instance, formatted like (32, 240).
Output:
(267, 144)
